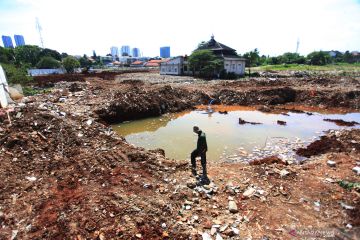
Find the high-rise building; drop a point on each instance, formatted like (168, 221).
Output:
(19, 40)
(114, 52)
(125, 50)
(165, 52)
(136, 52)
(7, 41)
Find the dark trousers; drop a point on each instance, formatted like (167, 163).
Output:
(195, 154)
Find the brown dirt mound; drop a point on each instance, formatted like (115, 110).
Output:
(324, 145)
(50, 80)
(66, 179)
(142, 103)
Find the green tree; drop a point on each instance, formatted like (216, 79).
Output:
(318, 58)
(70, 63)
(48, 63)
(252, 58)
(7, 55)
(46, 52)
(16, 75)
(348, 57)
(64, 55)
(273, 60)
(290, 58)
(85, 62)
(205, 64)
(27, 54)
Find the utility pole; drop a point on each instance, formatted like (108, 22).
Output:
(39, 29)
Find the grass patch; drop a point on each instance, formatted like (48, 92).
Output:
(355, 67)
(30, 91)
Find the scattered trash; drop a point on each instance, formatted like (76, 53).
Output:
(331, 163)
(356, 170)
(31, 179)
(317, 206)
(347, 207)
(14, 234)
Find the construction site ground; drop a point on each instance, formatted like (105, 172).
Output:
(66, 175)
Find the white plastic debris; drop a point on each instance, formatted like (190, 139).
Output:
(31, 179)
(356, 170)
(347, 207)
(331, 163)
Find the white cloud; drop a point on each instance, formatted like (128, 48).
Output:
(273, 27)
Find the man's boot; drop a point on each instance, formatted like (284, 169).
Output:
(193, 172)
(204, 179)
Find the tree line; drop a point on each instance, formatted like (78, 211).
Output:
(16, 61)
(253, 58)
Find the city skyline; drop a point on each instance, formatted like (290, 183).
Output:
(273, 27)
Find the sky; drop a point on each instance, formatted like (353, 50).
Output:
(272, 26)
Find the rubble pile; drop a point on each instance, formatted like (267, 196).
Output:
(69, 177)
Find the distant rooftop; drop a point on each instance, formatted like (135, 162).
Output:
(214, 45)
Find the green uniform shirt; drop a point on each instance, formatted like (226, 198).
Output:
(201, 143)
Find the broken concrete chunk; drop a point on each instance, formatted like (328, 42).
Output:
(206, 236)
(233, 207)
(218, 237)
(223, 228)
(235, 231)
(249, 192)
(284, 173)
(213, 231)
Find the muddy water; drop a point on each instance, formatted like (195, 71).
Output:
(227, 139)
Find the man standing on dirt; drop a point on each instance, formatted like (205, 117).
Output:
(200, 151)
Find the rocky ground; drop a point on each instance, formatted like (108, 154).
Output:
(66, 175)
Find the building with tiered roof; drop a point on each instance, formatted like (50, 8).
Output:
(232, 62)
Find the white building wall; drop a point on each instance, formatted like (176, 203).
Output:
(171, 67)
(234, 65)
(38, 72)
